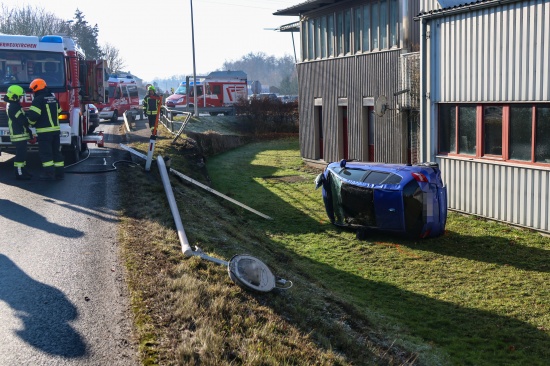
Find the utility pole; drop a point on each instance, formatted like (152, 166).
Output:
(194, 68)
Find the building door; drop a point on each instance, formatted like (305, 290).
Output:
(318, 132)
(370, 133)
(345, 139)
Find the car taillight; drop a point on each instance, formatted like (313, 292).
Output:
(419, 177)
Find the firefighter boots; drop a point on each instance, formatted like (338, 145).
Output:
(21, 174)
(48, 173)
(59, 173)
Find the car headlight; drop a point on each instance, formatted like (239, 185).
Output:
(179, 100)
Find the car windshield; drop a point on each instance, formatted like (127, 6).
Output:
(181, 90)
(23, 66)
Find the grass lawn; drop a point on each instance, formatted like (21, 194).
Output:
(478, 295)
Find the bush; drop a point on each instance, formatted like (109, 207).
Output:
(266, 116)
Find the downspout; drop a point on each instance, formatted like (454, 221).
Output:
(423, 92)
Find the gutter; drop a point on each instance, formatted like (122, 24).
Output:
(459, 9)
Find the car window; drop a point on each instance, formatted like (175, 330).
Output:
(353, 174)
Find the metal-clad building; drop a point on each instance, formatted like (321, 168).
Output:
(351, 56)
(485, 110)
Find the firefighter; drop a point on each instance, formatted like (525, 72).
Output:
(20, 132)
(150, 105)
(44, 116)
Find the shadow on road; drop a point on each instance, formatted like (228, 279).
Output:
(21, 214)
(44, 311)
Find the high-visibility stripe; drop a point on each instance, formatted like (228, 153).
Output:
(48, 129)
(47, 163)
(59, 164)
(18, 164)
(35, 109)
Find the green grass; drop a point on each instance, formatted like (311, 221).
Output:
(478, 295)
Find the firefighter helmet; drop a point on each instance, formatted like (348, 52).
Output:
(15, 92)
(151, 87)
(37, 84)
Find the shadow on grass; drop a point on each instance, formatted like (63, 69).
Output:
(468, 336)
(488, 249)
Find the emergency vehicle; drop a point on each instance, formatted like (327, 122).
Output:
(216, 93)
(74, 81)
(121, 96)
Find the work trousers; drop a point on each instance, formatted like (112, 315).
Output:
(152, 120)
(49, 149)
(20, 153)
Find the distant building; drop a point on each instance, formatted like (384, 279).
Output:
(353, 55)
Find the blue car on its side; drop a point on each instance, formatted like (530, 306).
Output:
(399, 198)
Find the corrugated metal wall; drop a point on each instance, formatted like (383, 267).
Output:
(494, 54)
(513, 194)
(354, 78)
(498, 54)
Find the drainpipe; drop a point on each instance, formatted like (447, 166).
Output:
(424, 101)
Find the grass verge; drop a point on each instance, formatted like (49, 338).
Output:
(478, 295)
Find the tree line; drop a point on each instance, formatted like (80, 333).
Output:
(34, 21)
(279, 74)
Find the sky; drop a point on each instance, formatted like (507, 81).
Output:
(154, 38)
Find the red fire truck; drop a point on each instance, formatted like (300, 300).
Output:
(121, 96)
(216, 93)
(75, 82)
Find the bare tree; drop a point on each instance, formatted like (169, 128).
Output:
(30, 21)
(115, 63)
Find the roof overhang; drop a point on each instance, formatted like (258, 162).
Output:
(305, 7)
(462, 8)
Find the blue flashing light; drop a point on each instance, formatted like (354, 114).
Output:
(51, 39)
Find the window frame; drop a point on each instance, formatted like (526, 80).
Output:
(480, 132)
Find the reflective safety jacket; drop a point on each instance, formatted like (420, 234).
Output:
(44, 112)
(150, 105)
(17, 122)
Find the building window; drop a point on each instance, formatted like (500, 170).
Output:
(510, 132)
(310, 43)
(394, 23)
(542, 145)
(375, 22)
(317, 38)
(492, 130)
(366, 28)
(347, 31)
(330, 36)
(383, 24)
(521, 132)
(467, 130)
(357, 28)
(323, 37)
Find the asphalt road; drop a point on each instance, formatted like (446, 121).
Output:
(63, 298)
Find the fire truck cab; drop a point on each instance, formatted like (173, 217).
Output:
(121, 97)
(74, 81)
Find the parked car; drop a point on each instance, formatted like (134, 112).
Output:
(264, 96)
(94, 115)
(399, 198)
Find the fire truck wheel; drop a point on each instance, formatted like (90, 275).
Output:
(72, 153)
(115, 116)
